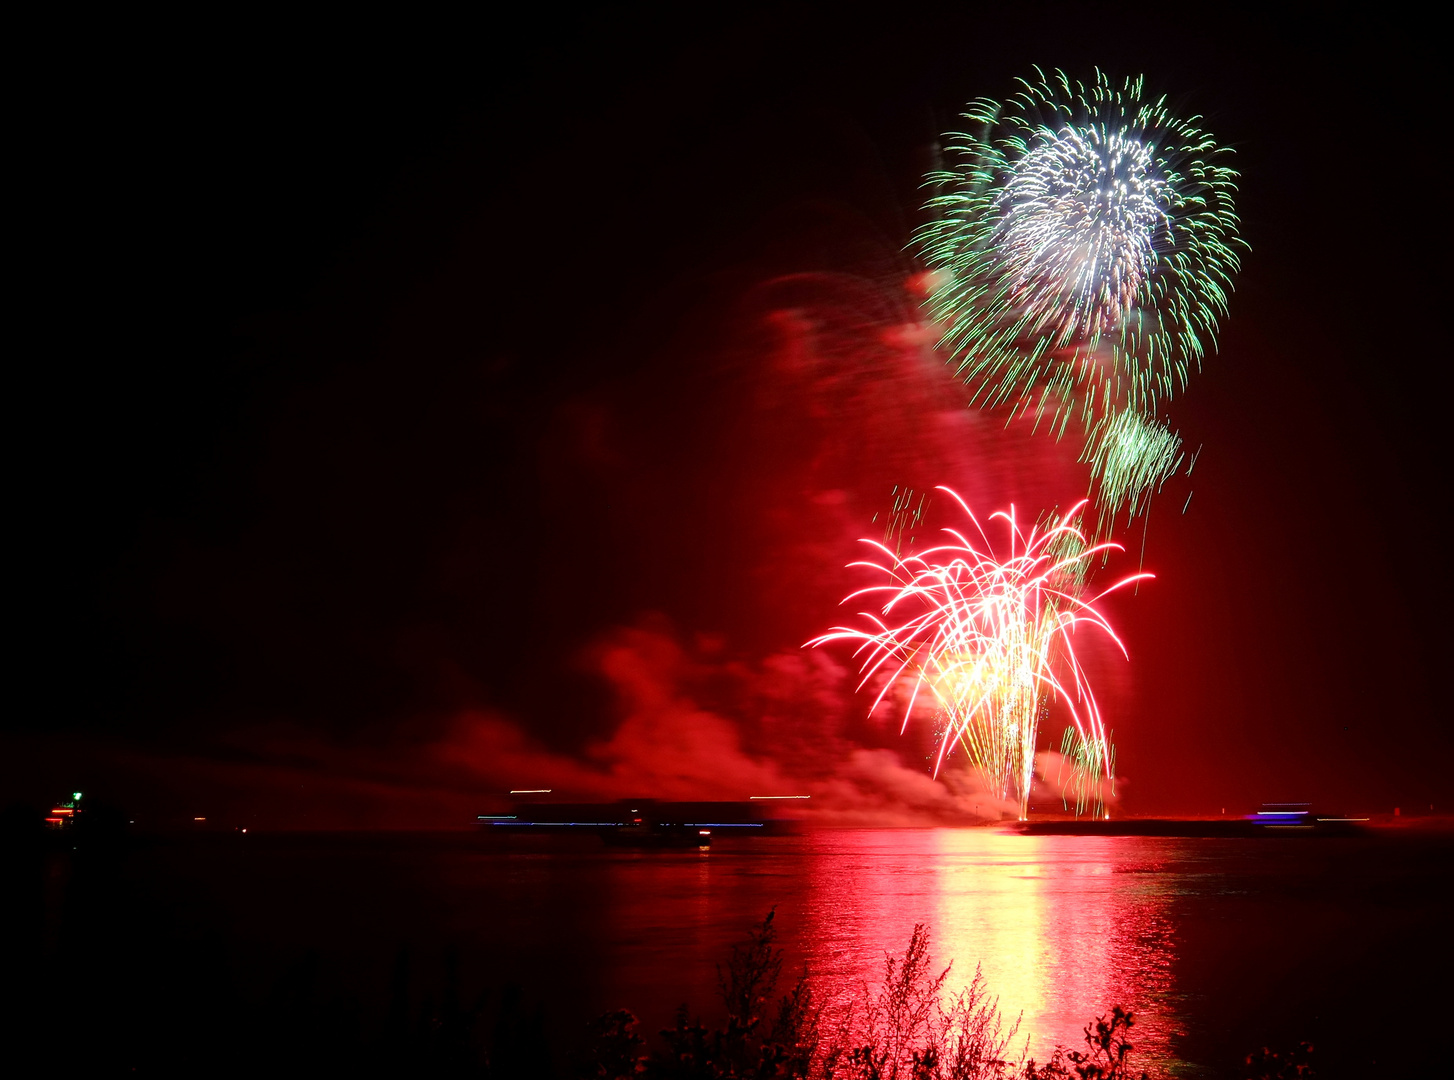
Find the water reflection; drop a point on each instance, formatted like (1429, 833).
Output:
(1061, 926)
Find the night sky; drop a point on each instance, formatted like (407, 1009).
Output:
(407, 413)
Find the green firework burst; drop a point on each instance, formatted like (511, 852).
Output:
(1084, 240)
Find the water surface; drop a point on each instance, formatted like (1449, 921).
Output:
(1218, 946)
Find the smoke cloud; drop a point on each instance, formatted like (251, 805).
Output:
(697, 725)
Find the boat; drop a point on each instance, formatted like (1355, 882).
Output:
(634, 823)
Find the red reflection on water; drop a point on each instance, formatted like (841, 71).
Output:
(1062, 927)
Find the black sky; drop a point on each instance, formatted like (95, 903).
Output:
(333, 330)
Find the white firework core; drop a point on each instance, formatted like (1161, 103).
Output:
(1081, 214)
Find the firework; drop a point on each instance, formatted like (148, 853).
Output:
(1090, 763)
(991, 640)
(1084, 243)
(1130, 459)
(903, 517)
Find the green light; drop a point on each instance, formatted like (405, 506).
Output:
(76, 795)
(1030, 321)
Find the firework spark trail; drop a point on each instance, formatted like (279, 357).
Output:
(1084, 244)
(903, 517)
(1087, 763)
(991, 640)
(1130, 459)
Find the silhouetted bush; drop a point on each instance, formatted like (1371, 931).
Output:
(1106, 1057)
(762, 1038)
(905, 1029)
(1267, 1064)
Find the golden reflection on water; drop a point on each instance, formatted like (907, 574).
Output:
(1062, 927)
